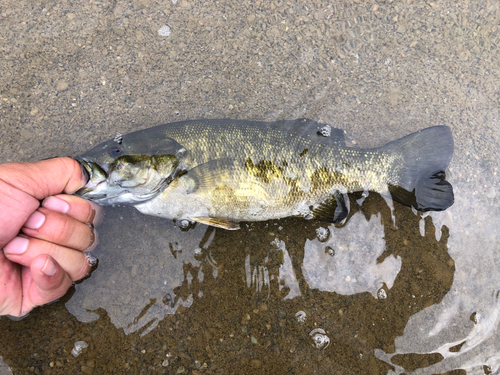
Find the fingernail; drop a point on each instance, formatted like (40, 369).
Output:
(50, 268)
(56, 204)
(35, 221)
(17, 246)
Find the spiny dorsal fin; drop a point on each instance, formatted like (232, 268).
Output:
(218, 222)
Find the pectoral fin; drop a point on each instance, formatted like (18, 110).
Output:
(218, 222)
(334, 210)
(210, 175)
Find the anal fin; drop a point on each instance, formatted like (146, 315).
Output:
(334, 210)
(218, 222)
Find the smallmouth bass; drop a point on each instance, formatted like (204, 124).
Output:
(221, 172)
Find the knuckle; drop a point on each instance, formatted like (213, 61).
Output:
(51, 249)
(64, 232)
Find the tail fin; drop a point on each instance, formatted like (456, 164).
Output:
(424, 156)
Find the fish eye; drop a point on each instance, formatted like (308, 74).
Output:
(115, 151)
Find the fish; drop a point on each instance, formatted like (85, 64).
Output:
(223, 172)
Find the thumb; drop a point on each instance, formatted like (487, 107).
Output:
(44, 178)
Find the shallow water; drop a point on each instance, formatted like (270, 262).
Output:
(391, 292)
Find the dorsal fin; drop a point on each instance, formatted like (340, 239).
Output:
(305, 128)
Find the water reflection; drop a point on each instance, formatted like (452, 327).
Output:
(354, 286)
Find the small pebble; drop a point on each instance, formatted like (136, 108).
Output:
(301, 316)
(322, 234)
(381, 294)
(165, 31)
(491, 193)
(61, 86)
(329, 251)
(255, 363)
(325, 131)
(79, 346)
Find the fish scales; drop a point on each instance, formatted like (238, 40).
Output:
(206, 143)
(298, 178)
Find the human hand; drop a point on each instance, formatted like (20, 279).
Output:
(42, 245)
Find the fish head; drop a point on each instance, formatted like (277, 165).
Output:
(130, 169)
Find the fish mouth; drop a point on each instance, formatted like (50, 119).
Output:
(94, 172)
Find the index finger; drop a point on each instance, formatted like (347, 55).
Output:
(76, 207)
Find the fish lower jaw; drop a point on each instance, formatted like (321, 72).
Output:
(91, 184)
